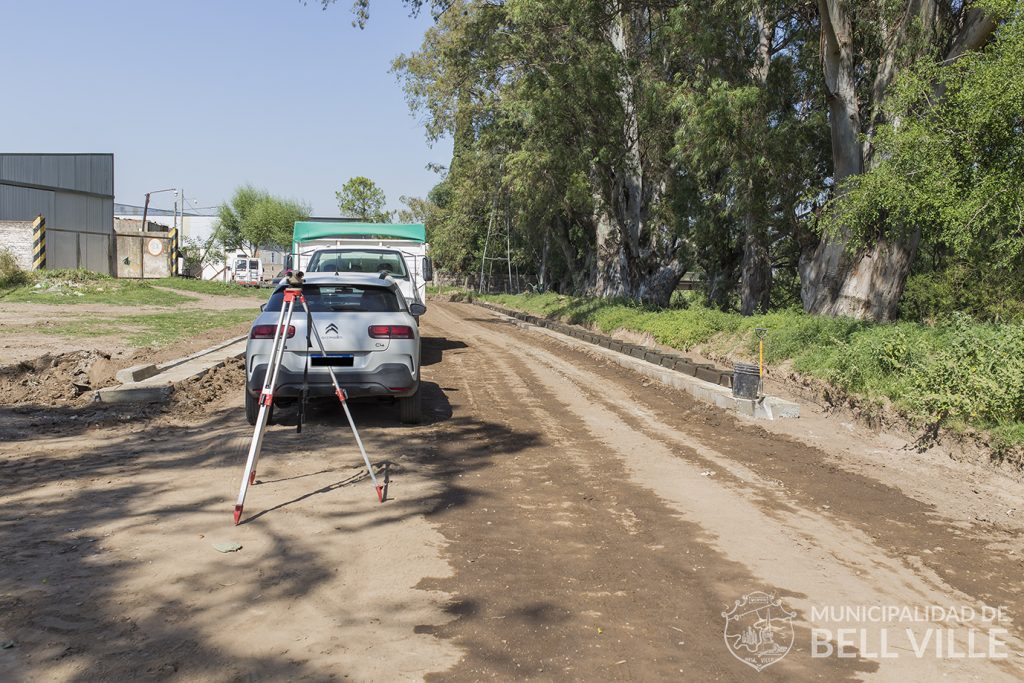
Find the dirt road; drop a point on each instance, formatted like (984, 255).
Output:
(556, 518)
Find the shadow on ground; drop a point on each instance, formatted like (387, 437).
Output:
(66, 596)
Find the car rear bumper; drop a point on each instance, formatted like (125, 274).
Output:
(389, 379)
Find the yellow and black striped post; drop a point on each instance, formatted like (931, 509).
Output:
(39, 243)
(173, 234)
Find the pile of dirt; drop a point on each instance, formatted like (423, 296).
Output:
(193, 396)
(55, 379)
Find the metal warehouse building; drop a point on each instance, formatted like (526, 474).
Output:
(74, 193)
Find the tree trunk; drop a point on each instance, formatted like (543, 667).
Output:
(578, 273)
(834, 281)
(868, 283)
(756, 269)
(756, 273)
(542, 278)
(636, 252)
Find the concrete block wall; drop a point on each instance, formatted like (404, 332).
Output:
(16, 236)
(143, 255)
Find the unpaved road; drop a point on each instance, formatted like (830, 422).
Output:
(556, 518)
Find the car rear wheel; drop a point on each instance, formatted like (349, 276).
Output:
(252, 409)
(410, 408)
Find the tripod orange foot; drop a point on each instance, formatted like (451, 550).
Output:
(238, 514)
(380, 493)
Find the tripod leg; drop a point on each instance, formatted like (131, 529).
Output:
(342, 397)
(249, 475)
(305, 370)
(276, 357)
(266, 404)
(366, 459)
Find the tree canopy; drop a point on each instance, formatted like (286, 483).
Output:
(417, 210)
(361, 198)
(254, 219)
(816, 153)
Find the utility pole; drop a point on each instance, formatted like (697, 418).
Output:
(145, 209)
(145, 212)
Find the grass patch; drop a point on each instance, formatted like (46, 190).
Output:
(444, 289)
(212, 287)
(955, 372)
(84, 287)
(153, 329)
(160, 329)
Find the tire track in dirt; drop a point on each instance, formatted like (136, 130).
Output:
(566, 569)
(810, 557)
(970, 557)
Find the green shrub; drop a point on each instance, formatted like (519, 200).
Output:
(11, 274)
(983, 294)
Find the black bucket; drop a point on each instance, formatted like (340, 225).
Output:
(746, 380)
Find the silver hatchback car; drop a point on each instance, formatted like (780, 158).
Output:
(370, 335)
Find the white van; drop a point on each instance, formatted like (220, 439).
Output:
(248, 271)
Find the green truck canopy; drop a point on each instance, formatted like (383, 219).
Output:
(312, 230)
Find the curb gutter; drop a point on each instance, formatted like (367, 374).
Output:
(702, 381)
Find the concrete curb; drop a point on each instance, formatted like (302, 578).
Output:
(704, 382)
(150, 383)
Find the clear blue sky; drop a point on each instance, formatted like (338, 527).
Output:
(209, 94)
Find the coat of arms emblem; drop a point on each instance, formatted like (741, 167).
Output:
(759, 629)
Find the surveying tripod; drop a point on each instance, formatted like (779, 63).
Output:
(291, 295)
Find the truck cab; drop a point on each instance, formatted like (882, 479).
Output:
(336, 246)
(372, 261)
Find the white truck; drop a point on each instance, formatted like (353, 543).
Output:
(332, 246)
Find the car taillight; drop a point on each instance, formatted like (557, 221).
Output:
(390, 332)
(267, 332)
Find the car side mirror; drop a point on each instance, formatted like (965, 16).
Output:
(417, 309)
(428, 269)
(263, 307)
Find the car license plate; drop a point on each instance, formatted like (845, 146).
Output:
(343, 360)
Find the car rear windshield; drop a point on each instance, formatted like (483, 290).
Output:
(355, 298)
(358, 261)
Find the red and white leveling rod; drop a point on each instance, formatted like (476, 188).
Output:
(291, 295)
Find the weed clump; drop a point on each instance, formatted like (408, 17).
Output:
(11, 274)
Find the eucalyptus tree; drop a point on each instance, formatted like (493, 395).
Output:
(865, 45)
(952, 167)
(750, 137)
(574, 106)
